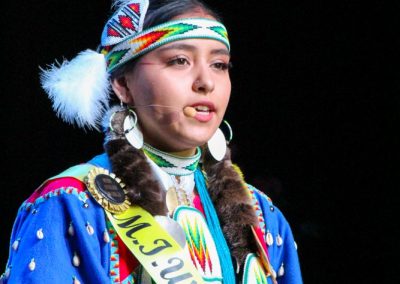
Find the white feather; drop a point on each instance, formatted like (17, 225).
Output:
(79, 89)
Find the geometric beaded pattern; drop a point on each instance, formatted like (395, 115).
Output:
(253, 271)
(139, 43)
(125, 22)
(114, 257)
(256, 206)
(171, 164)
(83, 196)
(200, 244)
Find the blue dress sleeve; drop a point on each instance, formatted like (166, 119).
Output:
(282, 248)
(59, 238)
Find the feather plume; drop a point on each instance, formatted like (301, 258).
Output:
(79, 89)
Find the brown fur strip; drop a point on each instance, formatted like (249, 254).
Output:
(233, 205)
(131, 166)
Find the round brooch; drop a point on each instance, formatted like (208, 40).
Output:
(107, 190)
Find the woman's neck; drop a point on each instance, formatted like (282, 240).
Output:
(184, 153)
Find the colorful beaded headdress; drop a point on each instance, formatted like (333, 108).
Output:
(123, 37)
(80, 88)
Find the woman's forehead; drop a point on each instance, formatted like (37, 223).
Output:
(197, 13)
(203, 45)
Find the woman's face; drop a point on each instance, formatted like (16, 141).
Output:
(184, 73)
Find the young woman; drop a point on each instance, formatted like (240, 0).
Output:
(164, 203)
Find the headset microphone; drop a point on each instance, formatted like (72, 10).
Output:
(190, 111)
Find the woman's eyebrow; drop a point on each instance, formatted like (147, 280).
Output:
(189, 47)
(180, 46)
(221, 51)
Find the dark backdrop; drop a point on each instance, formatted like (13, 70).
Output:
(315, 109)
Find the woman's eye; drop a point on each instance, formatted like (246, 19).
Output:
(178, 61)
(222, 65)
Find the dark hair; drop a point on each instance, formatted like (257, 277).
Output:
(161, 11)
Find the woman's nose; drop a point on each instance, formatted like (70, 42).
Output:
(204, 82)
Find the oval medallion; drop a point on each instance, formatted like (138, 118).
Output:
(107, 190)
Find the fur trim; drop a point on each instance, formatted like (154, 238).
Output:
(131, 166)
(106, 120)
(231, 200)
(79, 89)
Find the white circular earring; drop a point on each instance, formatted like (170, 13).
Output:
(132, 131)
(217, 145)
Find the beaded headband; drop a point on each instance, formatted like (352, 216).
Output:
(80, 88)
(123, 37)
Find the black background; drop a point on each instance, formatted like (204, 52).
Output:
(315, 112)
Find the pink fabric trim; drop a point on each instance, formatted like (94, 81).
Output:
(127, 262)
(55, 184)
(197, 204)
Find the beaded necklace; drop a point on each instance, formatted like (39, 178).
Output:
(172, 164)
(187, 167)
(176, 174)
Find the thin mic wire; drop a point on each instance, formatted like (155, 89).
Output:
(187, 111)
(156, 105)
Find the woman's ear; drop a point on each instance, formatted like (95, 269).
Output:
(121, 89)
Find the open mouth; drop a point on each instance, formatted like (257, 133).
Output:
(202, 109)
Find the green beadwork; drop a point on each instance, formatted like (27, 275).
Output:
(172, 164)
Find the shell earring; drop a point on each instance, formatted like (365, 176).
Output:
(217, 144)
(132, 131)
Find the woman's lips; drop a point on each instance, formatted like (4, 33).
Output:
(204, 111)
